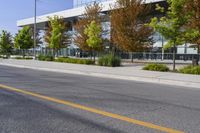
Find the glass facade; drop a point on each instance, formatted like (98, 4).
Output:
(78, 3)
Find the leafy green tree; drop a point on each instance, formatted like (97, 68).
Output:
(92, 13)
(56, 35)
(6, 43)
(93, 32)
(171, 26)
(24, 39)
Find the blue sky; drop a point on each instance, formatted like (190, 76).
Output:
(13, 10)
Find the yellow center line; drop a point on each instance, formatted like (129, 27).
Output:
(93, 110)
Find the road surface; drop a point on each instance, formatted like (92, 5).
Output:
(49, 102)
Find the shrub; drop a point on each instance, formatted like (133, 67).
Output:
(3, 57)
(109, 60)
(75, 61)
(45, 57)
(61, 59)
(190, 70)
(24, 58)
(156, 67)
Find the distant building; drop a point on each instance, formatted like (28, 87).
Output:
(79, 8)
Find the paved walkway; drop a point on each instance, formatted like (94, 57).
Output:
(128, 72)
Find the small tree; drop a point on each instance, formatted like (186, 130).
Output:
(129, 31)
(93, 32)
(24, 39)
(92, 13)
(56, 35)
(171, 26)
(6, 43)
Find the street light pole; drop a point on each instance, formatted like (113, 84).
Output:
(35, 28)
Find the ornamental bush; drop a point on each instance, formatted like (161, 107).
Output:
(109, 60)
(75, 61)
(190, 70)
(42, 57)
(156, 67)
(24, 58)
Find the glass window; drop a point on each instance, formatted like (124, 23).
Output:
(78, 3)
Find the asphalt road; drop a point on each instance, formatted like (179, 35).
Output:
(167, 106)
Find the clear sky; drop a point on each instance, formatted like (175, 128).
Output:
(13, 10)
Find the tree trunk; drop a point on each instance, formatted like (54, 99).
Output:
(54, 53)
(163, 51)
(114, 51)
(174, 57)
(91, 55)
(198, 51)
(23, 53)
(94, 55)
(132, 57)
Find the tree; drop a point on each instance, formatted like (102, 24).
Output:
(171, 27)
(56, 35)
(128, 29)
(92, 13)
(192, 10)
(24, 39)
(93, 32)
(6, 43)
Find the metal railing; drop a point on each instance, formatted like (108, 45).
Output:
(124, 55)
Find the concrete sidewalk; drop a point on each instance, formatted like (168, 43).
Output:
(127, 72)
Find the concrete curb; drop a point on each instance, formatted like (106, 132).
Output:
(111, 76)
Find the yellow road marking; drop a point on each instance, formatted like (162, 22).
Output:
(93, 110)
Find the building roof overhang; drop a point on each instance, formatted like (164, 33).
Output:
(69, 13)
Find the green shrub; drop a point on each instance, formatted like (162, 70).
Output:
(156, 67)
(190, 70)
(75, 61)
(109, 60)
(4, 57)
(61, 59)
(24, 58)
(45, 57)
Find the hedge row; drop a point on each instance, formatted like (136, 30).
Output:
(24, 58)
(75, 61)
(156, 67)
(190, 70)
(45, 57)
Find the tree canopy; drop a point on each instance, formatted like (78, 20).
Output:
(6, 43)
(128, 29)
(56, 35)
(192, 9)
(93, 32)
(171, 26)
(24, 38)
(92, 13)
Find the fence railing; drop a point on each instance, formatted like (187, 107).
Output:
(124, 55)
(158, 56)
